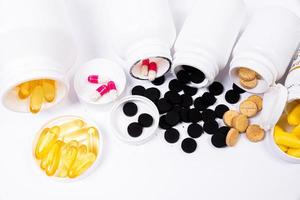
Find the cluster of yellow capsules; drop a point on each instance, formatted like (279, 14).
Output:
(67, 150)
(39, 91)
(289, 141)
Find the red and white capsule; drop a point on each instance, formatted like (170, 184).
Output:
(144, 67)
(152, 71)
(95, 79)
(99, 92)
(112, 90)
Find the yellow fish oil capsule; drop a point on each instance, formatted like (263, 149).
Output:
(93, 140)
(294, 152)
(287, 139)
(36, 99)
(71, 126)
(49, 90)
(45, 141)
(79, 135)
(294, 116)
(283, 148)
(24, 90)
(67, 158)
(296, 131)
(82, 164)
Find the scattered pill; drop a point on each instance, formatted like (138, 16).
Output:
(100, 92)
(223, 130)
(172, 135)
(238, 89)
(190, 90)
(175, 85)
(232, 96)
(210, 127)
(173, 97)
(163, 106)
(219, 140)
(216, 88)
(194, 115)
(200, 103)
(232, 137)
(196, 75)
(220, 110)
(138, 90)
(145, 120)
(186, 101)
(144, 67)
(159, 81)
(112, 89)
(240, 122)
(228, 116)
(255, 133)
(152, 71)
(248, 108)
(130, 109)
(195, 130)
(134, 129)
(208, 99)
(183, 113)
(153, 94)
(257, 100)
(162, 122)
(172, 118)
(208, 115)
(188, 145)
(95, 79)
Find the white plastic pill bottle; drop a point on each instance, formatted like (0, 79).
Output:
(266, 46)
(35, 43)
(278, 100)
(208, 35)
(141, 29)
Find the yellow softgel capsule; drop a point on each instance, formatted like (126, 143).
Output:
(67, 158)
(80, 135)
(283, 148)
(50, 163)
(287, 139)
(296, 131)
(71, 126)
(45, 141)
(36, 99)
(294, 152)
(93, 140)
(83, 161)
(294, 116)
(49, 90)
(24, 90)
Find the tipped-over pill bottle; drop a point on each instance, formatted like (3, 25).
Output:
(266, 48)
(142, 29)
(35, 43)
(207, 37)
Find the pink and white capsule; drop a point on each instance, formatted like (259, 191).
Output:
(144, 67)
(152, 71)
(100, 91)
(112, 90)
(95, 79)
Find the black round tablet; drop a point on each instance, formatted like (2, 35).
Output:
(153, 94)
(189, 69)
(238, 89)
(134, 129)
(208, 99)
(173, 97)
(220, 110)
(195, 130)
(188, 145)
(223, 130)
(211, 127)
(162, 122)
(200, 104)
(163, 106)
(218, 140)
(186, 100)
(208, 115)
(191, 91)
(172, 118)
(183, 76)
(194, 115)
(172, 135)
(175, 85)
(145, 120)
(130, 109)
(216, 88)
(197, 76)
(183, 113)
(176, 108)
(232, 96)
(138, 90)
(158, 81)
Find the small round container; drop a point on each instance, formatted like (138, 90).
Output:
(119, 121)
(58, 121)
(101, 67)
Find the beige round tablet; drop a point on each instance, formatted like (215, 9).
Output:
(255, 133)
(228, 116)
(240, 122)
(232, 137)
(257, 100)
(246, 74)
(249, 84)
(248, 108)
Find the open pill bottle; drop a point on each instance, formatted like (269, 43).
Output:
(142, 29)
(35, 44)
(280, 111)
(266, 48)
(207, 37)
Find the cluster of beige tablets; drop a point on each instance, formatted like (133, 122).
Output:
(248, 78)
(239, 121)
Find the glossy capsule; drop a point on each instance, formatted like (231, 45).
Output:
(80, 135)
(24, 90)
(296, 131)
(45, 141)
(67, 158)
(71, 126)
(93, 140)
(294, 116)
(49, 90)
(294, 152)
(36, 99)
(283, 148)
(287, 139)
(51, 161)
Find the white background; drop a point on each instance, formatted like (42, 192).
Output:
(156, 170)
